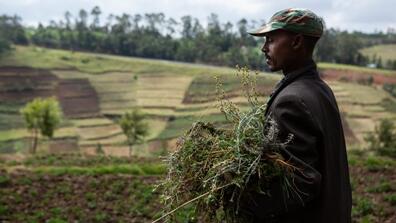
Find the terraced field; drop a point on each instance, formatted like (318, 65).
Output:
(362, 106)
(385, 51)
(94, 90)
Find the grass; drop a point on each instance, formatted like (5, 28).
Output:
(79, 160)
(132, 169)
(204, 87)
(124, 96)
(115, 140)
(389, 104)
(80, 198)
(119, 93)
(362, 105)
(159, 88)
(10, 121)
(179, 125)
(13, 134)
(355, 68)
(155, 126)
(363, 207)
(13, 146)
(75, 187)
(4, 180)
(44, 58)
(77, 164)
(15, 140)
(162, 91)
(101, 131)
(385, 51)
(10, 107)
(360, 94)
(374, 163)
(123, 92)
(384, 186)
(90, 122)
(391, 198)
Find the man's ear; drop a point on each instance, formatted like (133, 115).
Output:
(298, 42)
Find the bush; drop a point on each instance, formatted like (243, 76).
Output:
(4, 180)
(363, 207)
(391, 198)
(4, 46)
(85, 60)
(383, 139)
(391, 88)
(41, 116)
(384, 186)
(134, 128)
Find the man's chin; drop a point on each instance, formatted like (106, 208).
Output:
(273, 69)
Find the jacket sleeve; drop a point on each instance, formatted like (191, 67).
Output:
(292, 117)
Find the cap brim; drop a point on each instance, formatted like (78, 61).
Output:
(262, 30)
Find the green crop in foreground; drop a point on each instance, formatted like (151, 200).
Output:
(216, 169)
(134, 169)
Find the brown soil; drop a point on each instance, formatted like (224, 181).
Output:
(102, 198)
(57, 146)
(20, 84)
(158, 145)
(354, 76)
(363, 182)
(350, 136)
(126, 198)
(24, 84)
(78, 98)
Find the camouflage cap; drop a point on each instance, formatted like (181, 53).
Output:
(296, 20)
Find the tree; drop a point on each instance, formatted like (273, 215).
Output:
(379, 62)
(4, 45)
(348, 46)
(41, 116)
(186, 31)
(325, 49)
(11, 30)
(133, 126)
(95, 12)
(383, 139)
(68, 17)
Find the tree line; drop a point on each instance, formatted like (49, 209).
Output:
(153, 35)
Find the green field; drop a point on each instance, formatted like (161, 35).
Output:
(385, 51)
(172, 94)
(354, 68)
(70, 180)
(38, 57)
(77, 187)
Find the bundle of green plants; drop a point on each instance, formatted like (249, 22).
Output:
(215, 167)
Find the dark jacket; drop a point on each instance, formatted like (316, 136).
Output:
(303, 105)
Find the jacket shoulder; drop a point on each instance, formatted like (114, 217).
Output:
(311, 91)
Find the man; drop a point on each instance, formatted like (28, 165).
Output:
(304, 106)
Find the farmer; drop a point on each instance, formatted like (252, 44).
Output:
(304, 106)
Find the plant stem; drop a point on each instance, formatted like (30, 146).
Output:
(189, 202)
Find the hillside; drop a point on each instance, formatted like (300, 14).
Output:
(94, 89)
(384, 51)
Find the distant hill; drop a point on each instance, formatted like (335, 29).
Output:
(95, 89)
(385, 52)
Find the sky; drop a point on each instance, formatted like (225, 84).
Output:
(352, 15)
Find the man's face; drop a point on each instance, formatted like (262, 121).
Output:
(278, 50)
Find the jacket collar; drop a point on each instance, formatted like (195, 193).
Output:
(288, 78)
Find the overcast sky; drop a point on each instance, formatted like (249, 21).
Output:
(361, 15)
